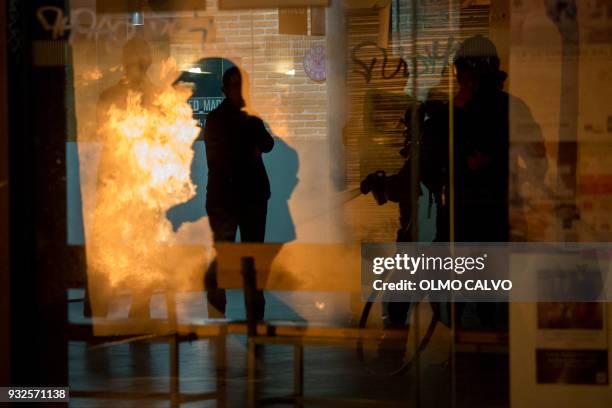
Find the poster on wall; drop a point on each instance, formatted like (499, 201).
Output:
(560, 351)
(572, 343)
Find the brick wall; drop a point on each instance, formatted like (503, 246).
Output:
(294, 106)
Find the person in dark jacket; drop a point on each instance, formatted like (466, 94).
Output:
(486, 171)
(238, 187)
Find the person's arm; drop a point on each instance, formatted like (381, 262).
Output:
(211, 134)
(263, 140)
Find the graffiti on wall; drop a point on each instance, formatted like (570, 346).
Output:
(429, 60)
(87, 24)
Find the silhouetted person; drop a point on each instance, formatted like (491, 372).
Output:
(484, 163)
(137, 58)
(238, 187)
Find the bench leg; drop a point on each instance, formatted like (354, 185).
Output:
(170, 297)
(174, 371)
(298, 374)
(221, 367)
(251, 374)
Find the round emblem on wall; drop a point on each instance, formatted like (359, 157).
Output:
(314, 63)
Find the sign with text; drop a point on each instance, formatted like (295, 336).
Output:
(486, 272)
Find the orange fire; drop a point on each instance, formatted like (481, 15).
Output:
(144, 170)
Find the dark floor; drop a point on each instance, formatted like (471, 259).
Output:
(480, 380)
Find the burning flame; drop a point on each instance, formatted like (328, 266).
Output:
(144, 170)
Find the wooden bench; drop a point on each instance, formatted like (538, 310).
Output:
(301, 267)
(292, 267)
(101, 332)
(319, 270)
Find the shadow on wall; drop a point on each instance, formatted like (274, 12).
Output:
(282, 164)
(195, 208)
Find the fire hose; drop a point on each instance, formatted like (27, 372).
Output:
(406, 363)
